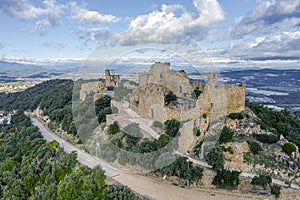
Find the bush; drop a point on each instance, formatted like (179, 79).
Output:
(236, 116)
(118, 192)
(215, 158)
(262, 180)
(275, 189)
(226, 135)
(53, 145)
(184, 169)
(254, 147)
(266, 138)
(289, 148)
(170, 98)
(113, 128)
(197, 148)
(172, 127)
(226, 178)
(204, 115)
(158, 124)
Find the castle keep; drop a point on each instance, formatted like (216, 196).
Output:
(215, 101)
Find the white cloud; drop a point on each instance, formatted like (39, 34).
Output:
(268, 17)
(87, 16)
(167, 26)
(282, 46)
(23, 9)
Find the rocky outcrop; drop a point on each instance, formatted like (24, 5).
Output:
(235, 160)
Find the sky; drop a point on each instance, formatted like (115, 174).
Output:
(232, 33)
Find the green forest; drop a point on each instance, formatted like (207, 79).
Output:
(31, 168)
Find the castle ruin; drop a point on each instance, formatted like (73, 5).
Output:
(215, 100)
(111, 79)
(102, 87)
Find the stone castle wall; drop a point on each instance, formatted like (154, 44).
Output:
(236, 97)
(215, 101)
(160, 74)
(148, 100)
(97, 87)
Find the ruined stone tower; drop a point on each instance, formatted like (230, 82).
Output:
(111, 80)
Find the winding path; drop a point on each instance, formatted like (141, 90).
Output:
(82, 157)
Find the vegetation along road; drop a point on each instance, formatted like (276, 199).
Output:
(153, 188)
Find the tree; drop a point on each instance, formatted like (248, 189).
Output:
(236, 116)
(29, 182)
(172, 127)
(254, 147)
(113, 128)
(162, 141)
(170, 98)
(226, 135)
(266, 138)
(289, 148)
(119, 192)
(215, 158)
(262, 180)
(226, 178)
(275, 189)
(67, 190)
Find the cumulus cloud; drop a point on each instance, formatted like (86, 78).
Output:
(166, 25)
(24, 10)
(87, 16)
(268, 17)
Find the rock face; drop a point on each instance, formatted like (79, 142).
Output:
(235, 161)
(187, 137)
(246, 126)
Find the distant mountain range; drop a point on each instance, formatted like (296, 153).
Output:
(16, 66)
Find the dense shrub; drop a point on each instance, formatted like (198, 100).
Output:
(254, 147)
(275, 189)
(113, 128)
(289, 148)
(183, 168)
(170, 98)
(215, 158)
(103, 108)
(262, 180)
(158, 124)
(236, 116)
(266, 138)
(172, 127)
(226, 178)
(226, 135)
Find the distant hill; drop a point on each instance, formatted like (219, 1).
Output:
(16, 66)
